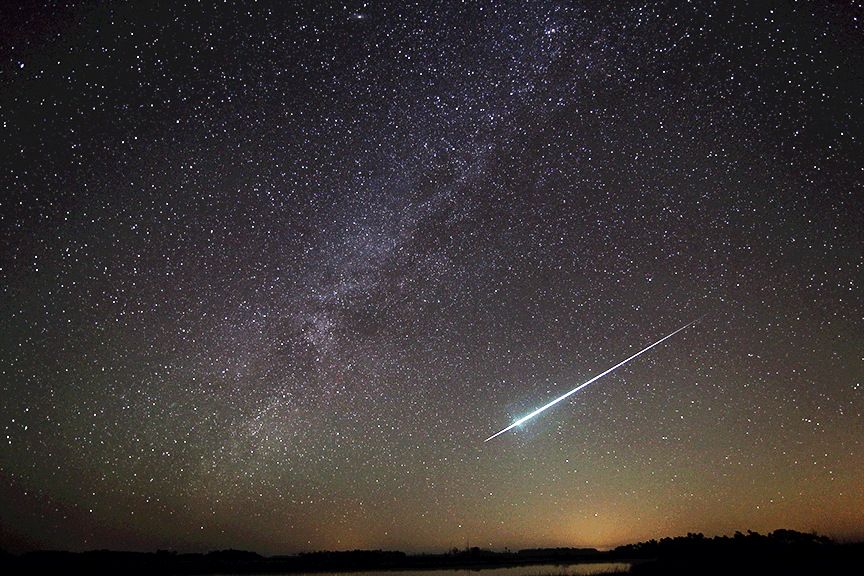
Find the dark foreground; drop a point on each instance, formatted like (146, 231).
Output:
(781, 552)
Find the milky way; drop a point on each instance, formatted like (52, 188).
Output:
(271, 273)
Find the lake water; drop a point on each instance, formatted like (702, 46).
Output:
(585, 569)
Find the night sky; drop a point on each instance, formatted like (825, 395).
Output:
(270, 274)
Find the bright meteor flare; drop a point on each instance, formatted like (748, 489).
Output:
(584, 384)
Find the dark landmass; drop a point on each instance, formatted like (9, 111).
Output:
(782, 552)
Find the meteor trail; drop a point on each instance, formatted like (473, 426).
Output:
(584, 384)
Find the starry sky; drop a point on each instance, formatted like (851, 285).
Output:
(270, 273)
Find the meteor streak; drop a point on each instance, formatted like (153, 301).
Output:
(584, 384)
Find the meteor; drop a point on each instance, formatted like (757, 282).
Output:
(584, 384)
